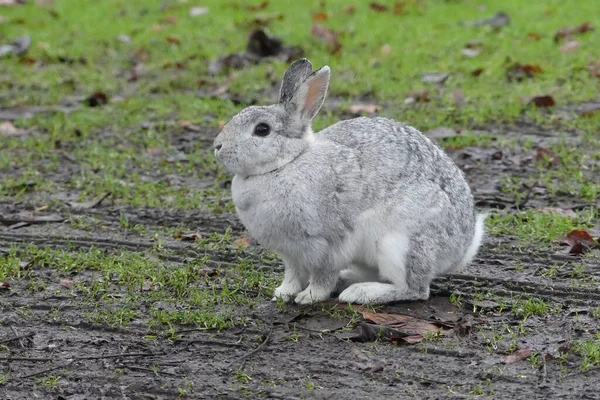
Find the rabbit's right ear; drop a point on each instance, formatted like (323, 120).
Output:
(293, 77)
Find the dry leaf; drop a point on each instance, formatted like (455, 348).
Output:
(566, 32)
(405, 323)
(156, 28)
(476, 72)
(325, 35)
(173, 40)
(580, 242)
(147, 286)
(4, 286)
(197, 11)
(8, 129)
(66, 283)
(399, 7)
(434, 77)
(378, 7)
(319, 17)
(258, 7)
(543, 154)
(542, 101)
(457, 97)
(155, 151)
(189, 236)
(569, 47)
(386, 49)
(421, 96)
(96, 100)
(364, 108)
(534, 36)
(170, 20)
(243, 241)
(518, 355)
(349, 9)
(188, 125)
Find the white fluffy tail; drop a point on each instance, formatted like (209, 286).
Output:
(474, 246)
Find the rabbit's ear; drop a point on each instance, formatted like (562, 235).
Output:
(309, 97)
(294, 76)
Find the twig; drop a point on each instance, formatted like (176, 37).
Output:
(118, 355)
(208, 341)
(325, 333)
(156, 372)
(18, 337)
(46, 370)
(32, 359)
(256, 350)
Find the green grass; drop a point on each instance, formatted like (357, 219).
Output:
(118, 287)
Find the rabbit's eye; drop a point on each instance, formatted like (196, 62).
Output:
(262, 129)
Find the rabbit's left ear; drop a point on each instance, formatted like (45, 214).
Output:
(293, 78)
(310, 95)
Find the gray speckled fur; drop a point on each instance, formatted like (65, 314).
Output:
(368, 207)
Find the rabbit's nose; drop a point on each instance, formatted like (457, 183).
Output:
(218, 147)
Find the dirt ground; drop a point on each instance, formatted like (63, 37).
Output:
(301, 352)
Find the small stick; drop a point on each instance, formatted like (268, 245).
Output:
(46, 371)
(118, 355)
(18, 337)
(136, 368)
(256, 350)
(32, 359)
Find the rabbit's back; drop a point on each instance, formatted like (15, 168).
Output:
(394, 155)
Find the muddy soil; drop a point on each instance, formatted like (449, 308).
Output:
(287, 355)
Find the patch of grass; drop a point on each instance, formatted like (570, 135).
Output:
(589, 350)
(123, 286)
(531, 306)
(539, 227)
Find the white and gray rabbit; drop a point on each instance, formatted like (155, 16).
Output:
(368, 207)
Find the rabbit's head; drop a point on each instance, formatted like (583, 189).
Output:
(258, 140)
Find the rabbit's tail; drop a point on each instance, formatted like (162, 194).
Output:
(475, 243)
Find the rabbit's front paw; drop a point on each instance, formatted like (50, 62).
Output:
(312, 294)
(286, 291)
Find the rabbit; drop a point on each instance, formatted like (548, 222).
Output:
(369, 208)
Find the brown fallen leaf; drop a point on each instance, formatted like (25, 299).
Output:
(518, 355)
(364, 108)
(258, 7)
(188, 126)
(147, 286)
(349, 9)
(155, 151)
(171, 19)
(173, 40)
(319, 17)
(518, 72)
(542, 101)
(580, 242)
(323, 34)
(555, 210)
(543, 154)
(96, 100)
(66, 283)
(8, 129)
(594, 69)
(421, 96)
(399, 7)
(405, 323)
(457, 97)
(89, 204)
(156, 28)
(476, 72)
(189, 236)
(378, 7)
(534, 36)
(4, 286)
(243, 241)
(569, 46)
(566, 32)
